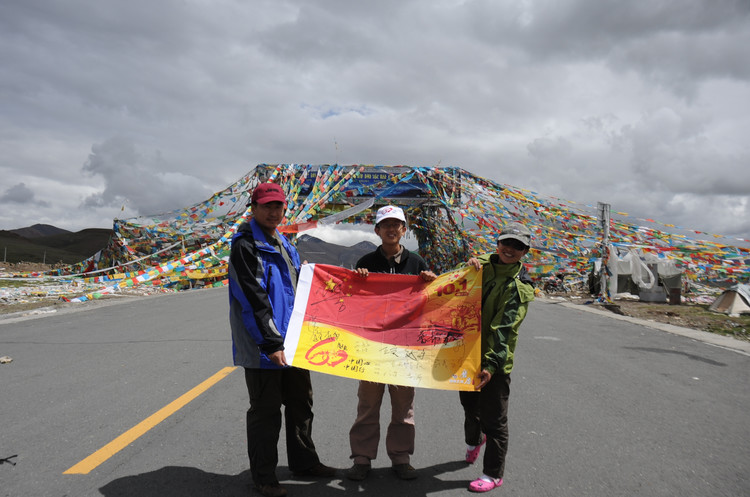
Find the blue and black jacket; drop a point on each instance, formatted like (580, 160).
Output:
(261, 296)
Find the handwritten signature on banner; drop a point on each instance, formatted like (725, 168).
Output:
(388, 328)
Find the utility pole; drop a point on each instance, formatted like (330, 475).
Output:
(604, 211)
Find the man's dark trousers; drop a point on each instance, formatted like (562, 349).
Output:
(269, 389)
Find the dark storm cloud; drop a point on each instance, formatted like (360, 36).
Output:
(138, 181)
(641, 104)
(21, 194)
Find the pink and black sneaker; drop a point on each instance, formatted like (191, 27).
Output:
(485, 484)
(472, 452)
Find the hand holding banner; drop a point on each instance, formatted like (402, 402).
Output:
(388, 328)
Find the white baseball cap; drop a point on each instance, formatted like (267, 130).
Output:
(390, 212)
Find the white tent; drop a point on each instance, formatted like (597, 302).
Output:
(653, 277)
(733, 301)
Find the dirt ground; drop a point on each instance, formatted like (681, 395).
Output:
(20, 267)
(36, 302)
(686, 315)
(29, 307)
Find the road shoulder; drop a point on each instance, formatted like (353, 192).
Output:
(702, 336)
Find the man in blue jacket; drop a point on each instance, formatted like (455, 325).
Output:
(263, 271)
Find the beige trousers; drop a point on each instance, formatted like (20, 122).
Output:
(364, 435)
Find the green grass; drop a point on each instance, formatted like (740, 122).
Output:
(16, 283)
(697, 316)
(724, 324)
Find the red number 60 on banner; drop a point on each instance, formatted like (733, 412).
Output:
(318, 356)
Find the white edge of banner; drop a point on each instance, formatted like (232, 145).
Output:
(294, 329)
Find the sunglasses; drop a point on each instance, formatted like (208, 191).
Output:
(514, 244)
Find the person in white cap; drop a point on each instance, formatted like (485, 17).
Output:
(506, 293)
(364, 436)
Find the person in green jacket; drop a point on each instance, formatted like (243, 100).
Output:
(506, 293)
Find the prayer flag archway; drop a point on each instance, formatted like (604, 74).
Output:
(452, 212)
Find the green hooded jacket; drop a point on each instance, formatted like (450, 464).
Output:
(505, 300)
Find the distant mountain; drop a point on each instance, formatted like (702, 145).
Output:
(312, 249)
(88, 241)
(51, 245)
(44, 243)
(39, 230)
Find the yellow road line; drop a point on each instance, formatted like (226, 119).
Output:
(119, 443)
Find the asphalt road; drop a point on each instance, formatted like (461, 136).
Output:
(599, 407)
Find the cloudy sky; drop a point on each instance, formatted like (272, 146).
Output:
(116, 109)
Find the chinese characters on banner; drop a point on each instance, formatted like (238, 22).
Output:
(388, 328)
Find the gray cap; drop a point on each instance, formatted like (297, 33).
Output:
(516, 231)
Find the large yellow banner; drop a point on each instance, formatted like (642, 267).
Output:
(388, 328)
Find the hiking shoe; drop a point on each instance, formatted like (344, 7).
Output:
(485, 484)
(317, 471)
(358, 472)
(473, 454)
(405, 471)
(272, 490)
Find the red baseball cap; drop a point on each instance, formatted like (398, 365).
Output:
(268, 192)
